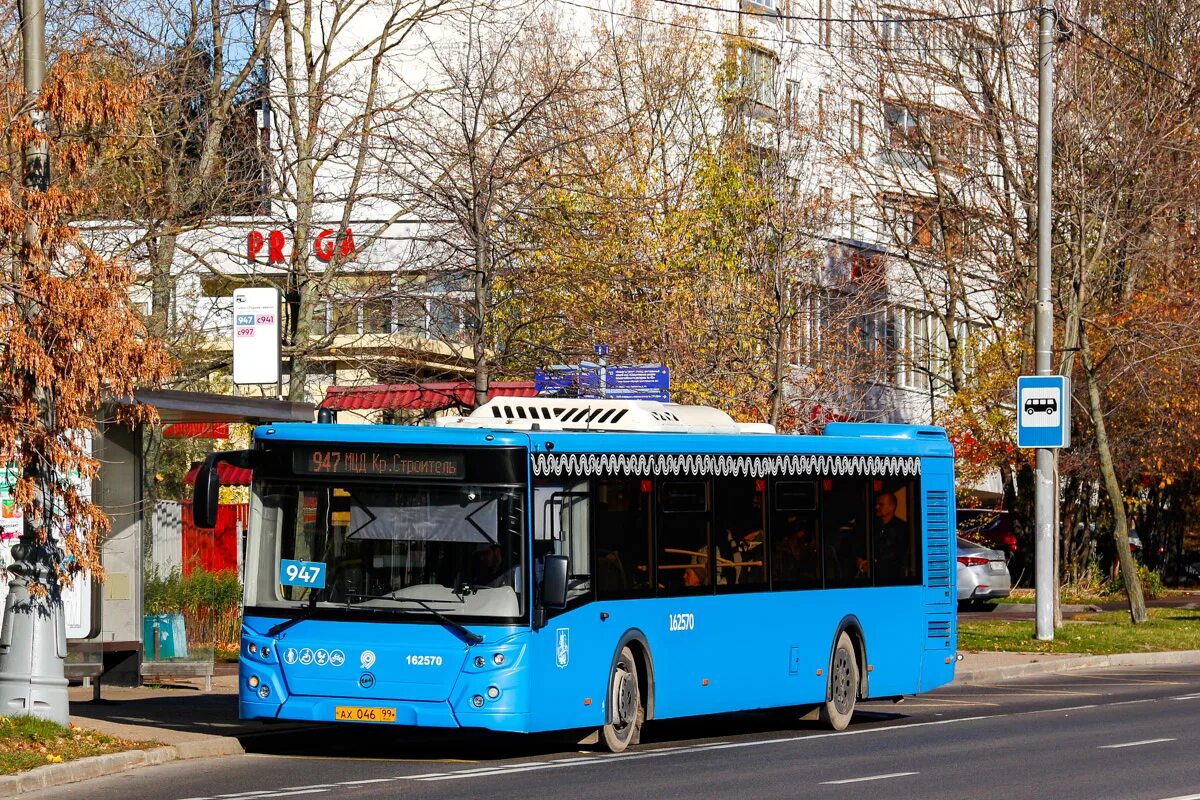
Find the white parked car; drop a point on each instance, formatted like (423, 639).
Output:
(982, 573)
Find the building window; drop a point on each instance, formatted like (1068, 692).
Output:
(903, 128)
(809, 324)
(895, 34)
(912, 222)
(792, 102)
(922, 342)
(856, 126)
(758, 74)
(869, 345)
(787, 8)
(826, 28)
(855, 30)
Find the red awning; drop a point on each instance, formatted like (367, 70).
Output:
(228, 473)
(197, 430)
(420, 396)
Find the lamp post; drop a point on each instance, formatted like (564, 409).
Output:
(33, 639)
(1046, 478)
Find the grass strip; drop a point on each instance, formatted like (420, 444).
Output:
(1104, 633)
(28, 742)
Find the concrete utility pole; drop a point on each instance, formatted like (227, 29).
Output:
(1046, 483)
(33, 644)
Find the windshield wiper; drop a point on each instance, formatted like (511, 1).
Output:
(280, 627)
(469, 636)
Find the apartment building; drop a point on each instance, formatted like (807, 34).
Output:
(878, 111)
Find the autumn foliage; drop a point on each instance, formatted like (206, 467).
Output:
(72, 341)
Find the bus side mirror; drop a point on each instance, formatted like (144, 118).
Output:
(554, 581)
(205, 495)
(208, 485)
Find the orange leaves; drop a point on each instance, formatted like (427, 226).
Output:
(71, 338)
(82, 91)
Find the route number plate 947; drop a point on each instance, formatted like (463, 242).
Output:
(360, 714)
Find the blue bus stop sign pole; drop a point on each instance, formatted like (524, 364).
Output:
(1044, 411)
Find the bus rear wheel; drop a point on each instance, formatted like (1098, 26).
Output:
(625, 710)
(843, 685)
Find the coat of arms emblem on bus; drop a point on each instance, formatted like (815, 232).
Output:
(562, 646)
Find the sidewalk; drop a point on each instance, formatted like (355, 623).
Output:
(190, 723)
(977, 668)
(185, 721)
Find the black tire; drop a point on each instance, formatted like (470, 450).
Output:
(842, 691)
(626, 712)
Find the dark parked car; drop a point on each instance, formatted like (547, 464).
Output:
(988, 527)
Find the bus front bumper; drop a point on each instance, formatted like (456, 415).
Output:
(301, 708)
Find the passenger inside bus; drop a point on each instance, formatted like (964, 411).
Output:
(845, 557)
(794, 558)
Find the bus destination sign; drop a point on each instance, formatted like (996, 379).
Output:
(372, 462)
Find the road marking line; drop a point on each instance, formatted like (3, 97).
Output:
(869, 778)
(1133, 702)
(1134, 744)
(1188, 697)
(292, 794)
(1067, 708)
(669, 751)
(1184, 797)
(366, 780)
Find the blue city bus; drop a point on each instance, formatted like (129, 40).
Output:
(552, 564)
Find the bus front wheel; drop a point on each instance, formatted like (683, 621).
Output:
(625, 710)
(843, 685)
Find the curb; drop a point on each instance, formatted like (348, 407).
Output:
(98, 766)
(985, 674)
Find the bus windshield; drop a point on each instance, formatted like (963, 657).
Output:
(404, 548)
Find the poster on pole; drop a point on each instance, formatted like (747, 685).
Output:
(256, 336)
(77, 599)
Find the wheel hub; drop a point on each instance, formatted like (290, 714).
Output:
(841, 682)
(626, 699)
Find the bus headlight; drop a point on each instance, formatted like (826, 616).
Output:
(264, 691)
(479, 662)
(477, 701)
(266, 651)
(498, 659)
(493, 692)
(253, 681)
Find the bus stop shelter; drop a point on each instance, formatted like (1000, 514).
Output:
(116, 607)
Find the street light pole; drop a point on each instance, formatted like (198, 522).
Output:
(1046, 482)
(33, 639)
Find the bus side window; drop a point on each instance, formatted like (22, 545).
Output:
(561, 528)
(893, 532)
(622, 534)
(684, 537)
(741, 546)
(795, 536)
(845, 519)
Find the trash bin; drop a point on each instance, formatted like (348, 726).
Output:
(164, 636)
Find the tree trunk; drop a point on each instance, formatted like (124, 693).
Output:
(1112, 486)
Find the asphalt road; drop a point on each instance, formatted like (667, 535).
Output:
(1128, 734)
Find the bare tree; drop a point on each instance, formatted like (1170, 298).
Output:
(503, 94)
(334, 82)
